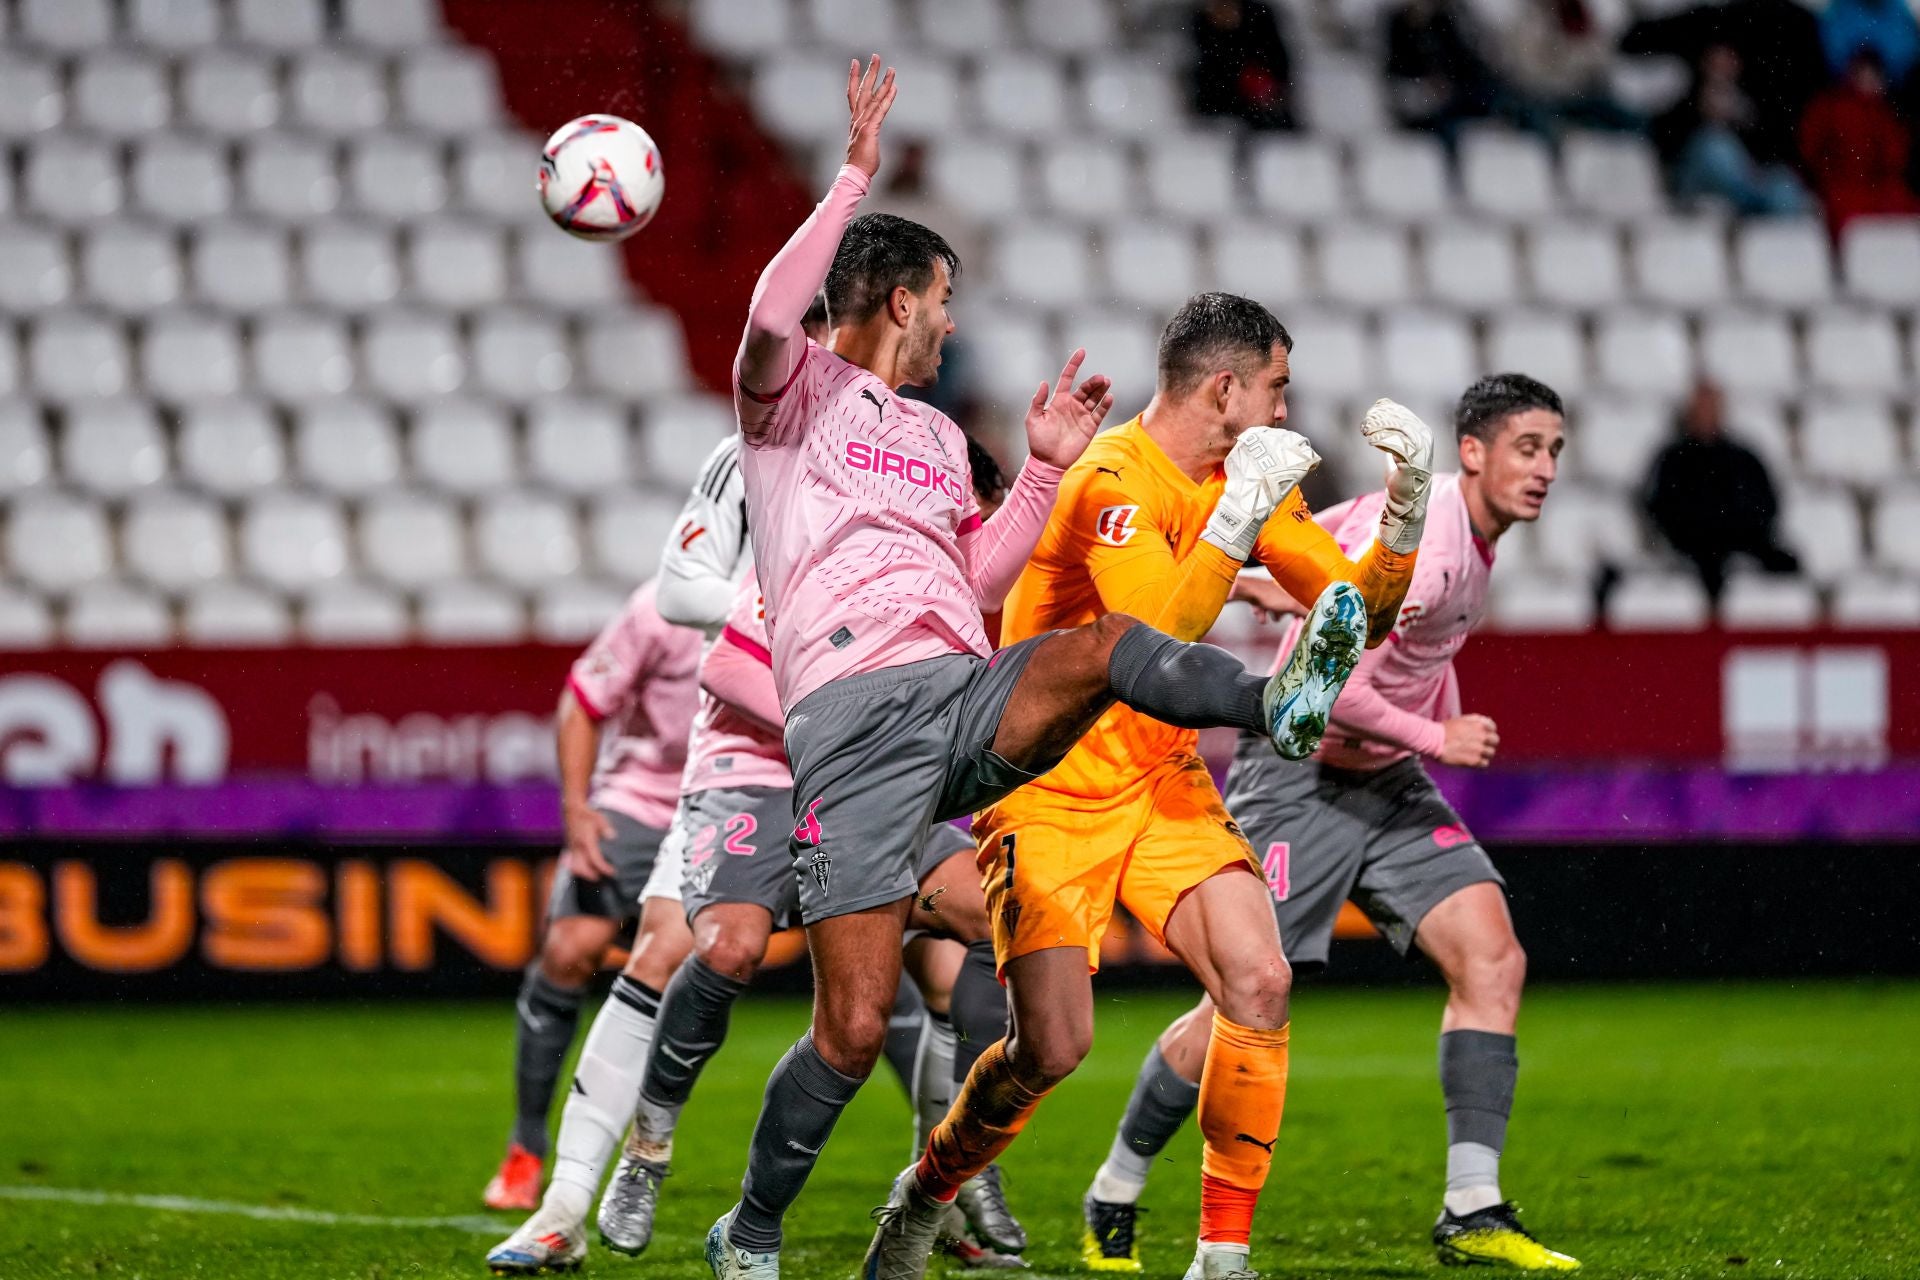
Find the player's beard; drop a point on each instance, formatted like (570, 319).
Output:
(922, 362)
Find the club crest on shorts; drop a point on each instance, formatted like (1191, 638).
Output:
(822, 867)
(1115, 525)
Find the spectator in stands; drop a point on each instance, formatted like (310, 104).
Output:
(1711, 497)
(1717, 160)
(1241, 67)
(1885, 27)
(1437, 77)
(1558, 59)
(1855, 146)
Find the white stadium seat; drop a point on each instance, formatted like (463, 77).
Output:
(463, 446)
(1750, 350)
(120, 95)
(175, 541)
(1681, 263)
(1822, 526)
(633, 351)
(1132, 98)
(1539, 602)
(57, 541)
(1123, 342)
(742, 29)
(190, 356)
(230, 93)
(231, 447)
(1086, 179)
(1619, 437)
(1472, 267)
(1426, 355)
(396, 177)
(241, 267)
(69, 177)
(1403, 178)
(1576, 264)
(1070, 26)
(413, 356)
(74, 356)
(1192, 175)
(1658, 601)
(1612, 175)
(1786, 262)
(36, 270)
(1543, 345)
(280, 24)
(1767, 602)
(1341, 96)
(854, 24)
(1036, 262)
(1153, 265)
(520, 355)
(289, 177)
(353, 613)
(113, 615)
(1259, 260)
(801, 98)
(1854, 351)
(26, 450)
(346, 445)
(391, 24)
(1643, 351)
(1880, 259)
(930, 109)
(412, 541)
(678, 433)
(460, 265)
(1760, 423)
(350, 266)
(1850, 440)
(1332, 355)
(1014, 93)
(180, 178)
(174, 25)
(131, 268)
(11, 374)
(574, 612)
(1507, 176)
(527, 539)
(299, 355)
(337, 93)
(579, 446)
(1010, 350)
(567, 274)
(1298, 179)
(25, 620)
(471, 613)
(978, 177)
(293, 540)
(1876, 602)
(1588, 528)
(1369, 266)
(449, 90)
(32, 99)
(627, 530)
(236, 614)
(969, 27)
(1896, 514)
(494, 178)
(70, 26)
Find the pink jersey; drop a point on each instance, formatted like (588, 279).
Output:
(640, 679)
(869, 543)
(729, 749)
(1401, 691)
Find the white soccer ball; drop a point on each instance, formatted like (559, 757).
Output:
(600, 178)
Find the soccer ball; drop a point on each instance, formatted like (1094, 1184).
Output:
(600, 178)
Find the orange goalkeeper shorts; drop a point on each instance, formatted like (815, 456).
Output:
(1055, 865)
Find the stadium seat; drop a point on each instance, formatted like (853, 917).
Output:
(1402, 178)
(1822, 526)
(230, 93)
(25, 620)
(520, 356)
(1613, 175)
(792, 97)
(463, 446)
(411, 540)
(413, 356)
(130, 268)
(1341, 96)
(181, 179)
(1544, 345)
(1538, 602)
(174, 25)
(26, 451)
(395, 177)
(1426, 355)
(1259, 260)
(231, 447)
(567, 274)
(977, 177)
(298, 355)
(74, 356)
(69, 177)
(188, 356)
(932, 108)
(1298, 179)
(1085, 179)
(1037, 262)
(677, 434)
(965, 27)
(633, 351)
(350, 266)
(579, 446)
(1506, 176)
(289, 177)
(1643, 351)
(113, 447)
(527, 540)
(1896, 514)
(1472, 267)
(113, 615)
(574, 612)
(1854, 351)
(1021, 94)
(1367, 266)
(1875, 602)
(1880, 260)
(457, 264)
(293, 540)
(626, 531)
(1192, 175)
(36, 271)
(31, 97)
(1785, 262)
(448, 91)
(237, 614)
(241, 267)
(1849, 440)
(1752, 351)
(57, 541)
(120, 95)
(346, 445)
(353, 613)
(1332, 356)
(471, 613)
(70, 26)
(1148, 264)
(337, 93)
(1658, 601)
(1760, 423)
(1010, 350)
(1587, 527)
(1132, 98)
(391, 24)
(1070, 26)
(742, 29)
(1768, 602)
(1680, 262)
(1575, 264)
(1123, 342)
(11, 374)
(1618, 437)
(281, 25)
(175, 541)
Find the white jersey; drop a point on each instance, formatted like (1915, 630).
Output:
(704, 561)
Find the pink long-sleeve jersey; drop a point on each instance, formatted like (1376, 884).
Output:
(727, 748)
(1401, 691)
(870, 546)
(640, 680)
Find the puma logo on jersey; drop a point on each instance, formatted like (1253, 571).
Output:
(1109, 471)
(879, 406)
(1115, 525)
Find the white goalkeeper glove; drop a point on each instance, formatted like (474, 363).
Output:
(1397, 431)
(1265, 465)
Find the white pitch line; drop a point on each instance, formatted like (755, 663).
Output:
(473, 1223)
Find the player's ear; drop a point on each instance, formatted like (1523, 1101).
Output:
(1473, 455)
(1220, 389)
(900, 305)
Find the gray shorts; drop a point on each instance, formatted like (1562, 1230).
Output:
(1386, 839)
(736, 851)
(879, 758)
(631, 851)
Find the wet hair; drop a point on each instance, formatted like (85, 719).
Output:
(1488, 403)
(815, 322)
(988, 478)
(1213, 331)
(878, 254)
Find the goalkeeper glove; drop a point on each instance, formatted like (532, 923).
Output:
(1397, 431)
(1265, 465)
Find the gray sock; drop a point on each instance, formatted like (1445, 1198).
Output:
(805, 1097)
(694, 1014)
(546, 1016)
(933, 1086)
(979, 1009)
(903, 1032)
(1189, 686)
(1477, 1074)
(1161, 1102)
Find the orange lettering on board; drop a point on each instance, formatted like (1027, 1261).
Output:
(265, 914)
(357, 908)
(162, 939)
(423, 897)
(23, 920)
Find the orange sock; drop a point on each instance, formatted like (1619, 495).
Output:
(1242, 1091)
(989, 1114)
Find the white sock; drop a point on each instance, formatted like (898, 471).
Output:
(1473, 1177)
(1221, 1258)
(652, 1137)
(932, 1077)
(1117, 1186)
(600, 1102)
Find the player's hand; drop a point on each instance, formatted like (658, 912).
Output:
(1271, 601)
(586, 828)
(1063, 417)
(869, 98)
(1471, 741)
(1397, 431)
(1264, 466)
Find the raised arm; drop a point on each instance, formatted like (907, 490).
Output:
(700, 565)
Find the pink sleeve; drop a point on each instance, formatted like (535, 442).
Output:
(1363, 712)
(771, 353)
(997, 550)
(603, 677)
(739, 672)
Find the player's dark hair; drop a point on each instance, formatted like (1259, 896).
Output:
(988, 479)
(816, 317)
(1488, 403)
(1213, 331)
(878, 254)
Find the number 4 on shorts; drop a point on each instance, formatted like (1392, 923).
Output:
(1275, 868)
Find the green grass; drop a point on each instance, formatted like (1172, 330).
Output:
(1660, 1131)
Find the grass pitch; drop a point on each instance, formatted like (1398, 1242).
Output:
(1660, 1131)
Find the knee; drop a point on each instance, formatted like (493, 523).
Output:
(566, 963)
(1492, 976)
(851, 1040)
(730, 955)
(1108, 628)
(1043, 1058)
(1257, 994)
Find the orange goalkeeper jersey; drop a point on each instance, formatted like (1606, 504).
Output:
(1124, 537)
